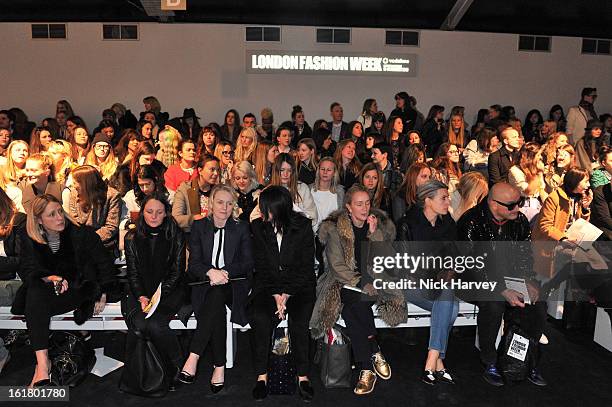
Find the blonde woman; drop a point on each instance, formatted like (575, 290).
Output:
(472, 188)
(247, 143)
(60, 153)
(244, 181)
(12, 192)
(16, 156)
(101, 157)
(555, 141)
(66, 269)
(224, 151)
(326, 190)
(169, 140)
(457, 134)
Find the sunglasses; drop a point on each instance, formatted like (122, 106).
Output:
(510, 206)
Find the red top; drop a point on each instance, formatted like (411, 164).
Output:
(175, 176)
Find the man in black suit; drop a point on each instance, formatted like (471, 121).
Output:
(501, 160)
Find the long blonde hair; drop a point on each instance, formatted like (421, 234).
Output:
(240, 153)
(456, 139)
(107, 168)
(472, 188)
(12, 173)
(169, 140)
(62, 170)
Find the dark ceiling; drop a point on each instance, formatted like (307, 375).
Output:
(580, 18)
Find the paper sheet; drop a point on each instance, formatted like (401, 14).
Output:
(584, 233)
(519, 285)
(155, 299)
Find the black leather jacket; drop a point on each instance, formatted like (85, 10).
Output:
(175, 261)
(512, 258)
(11, 264)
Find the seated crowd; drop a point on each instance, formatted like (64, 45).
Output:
(276, 222)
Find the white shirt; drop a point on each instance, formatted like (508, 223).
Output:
(279, 239)
(218, 261)
(326, 203)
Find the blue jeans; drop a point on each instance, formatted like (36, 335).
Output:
(444, 310)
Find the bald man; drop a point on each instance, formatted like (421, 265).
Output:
(501, 160)
(498, 219)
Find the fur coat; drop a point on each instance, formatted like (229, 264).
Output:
(336, 234)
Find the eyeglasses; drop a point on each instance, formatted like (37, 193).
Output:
(510, 206)
(102, 146)
(229, 153)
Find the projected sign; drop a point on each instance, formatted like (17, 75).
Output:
(354, 63)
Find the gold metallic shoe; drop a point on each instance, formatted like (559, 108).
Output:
(365, 385)
(381, 367)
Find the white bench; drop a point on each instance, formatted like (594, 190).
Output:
(111, 320)
(603, 330)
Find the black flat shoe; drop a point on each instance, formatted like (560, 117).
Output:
(444, 376)
(429, 377)
(216, 387)
(260, 391)
(305, 391)
(186, 378)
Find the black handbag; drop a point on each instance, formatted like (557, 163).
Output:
(517, 354)
(335, 363)
(71, 357)
(143, 371)
(282, 374)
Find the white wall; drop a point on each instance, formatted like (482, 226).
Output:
(203, 66)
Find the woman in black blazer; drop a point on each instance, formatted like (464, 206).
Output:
(284, 283)
(64, 267)
(221, 257)
(155, 254)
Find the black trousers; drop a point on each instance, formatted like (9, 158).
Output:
(212, 323)
(157, 329)
(359, 318)
(41, 304)
(490, 314)
(263, 320)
